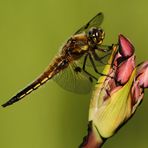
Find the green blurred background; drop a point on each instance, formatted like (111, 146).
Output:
(31, 32)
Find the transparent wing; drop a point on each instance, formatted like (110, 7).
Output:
(74, 79)
(94, 22)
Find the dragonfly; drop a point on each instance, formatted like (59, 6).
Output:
(69, 68)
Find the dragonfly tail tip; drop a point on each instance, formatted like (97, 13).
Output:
(5, 104)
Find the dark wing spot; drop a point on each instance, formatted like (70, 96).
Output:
(78, 69)
(86, 25)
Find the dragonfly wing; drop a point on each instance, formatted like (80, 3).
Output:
(94, 22)
(74, 79)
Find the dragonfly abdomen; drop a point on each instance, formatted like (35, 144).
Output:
(33, 86)
(58, 65)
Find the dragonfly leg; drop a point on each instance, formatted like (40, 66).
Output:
(93, 64)
(95, 68)
(103, 48)
(99, 59)
(84, 64)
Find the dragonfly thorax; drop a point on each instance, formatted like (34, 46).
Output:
(96, 35)
(76, 46)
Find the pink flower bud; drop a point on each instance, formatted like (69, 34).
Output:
(141, 82)
(125, 70)
(142, 75)
(126, 49)
(137, 93)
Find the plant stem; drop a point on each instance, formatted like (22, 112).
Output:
(93, 138)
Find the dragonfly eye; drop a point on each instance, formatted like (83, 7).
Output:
(96, 35)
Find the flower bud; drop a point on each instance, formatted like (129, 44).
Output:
(126, 49)
(142, 75)
(125, 69)
(141, 82)
(118, 93)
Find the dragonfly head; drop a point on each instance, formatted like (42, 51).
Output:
(96, 35)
